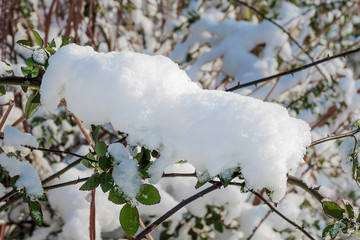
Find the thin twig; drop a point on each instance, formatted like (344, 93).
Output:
(258, 225)
(313, 191)
(292, 71)
(6, 115)
(175, 209)
(329, 138)
(284, 30)
(282, 215)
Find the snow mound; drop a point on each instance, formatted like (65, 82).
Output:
(155, 102)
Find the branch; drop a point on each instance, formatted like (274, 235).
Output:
(22, 81)
(176, 208)
(329, 138)
(281, 215)
(313, 191)
(292, 71)
(284, 30)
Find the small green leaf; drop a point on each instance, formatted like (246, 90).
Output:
(50, 50)
(13, 181)
(100, 149)
(35, 72)
(24, 88)
(348, 209)
(35, 212)
(129, 219)
(326, 230)
(90, 156)
(106, 181)
(2, 90)
(337, 227)
(43, 198)
(105, 163)
(91, 183)
(333, 210)
(36, 99)
(52, 44)
(31, 108)
(117, 196)
(95, 132)
(26, 71)
(64, 42)
(87, 164)
(38, 39)
(148, 195)
(30, 63)
(202, 179)
(25, 43)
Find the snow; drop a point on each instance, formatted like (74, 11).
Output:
(73, 207)
(40, 56)
(14, 140)
(28, 177)
(125, 172)
(156, 103)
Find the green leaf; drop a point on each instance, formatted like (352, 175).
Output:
(87, 164)
(326, 230)
(95, 132)
(202, 179)
(52, 44)
(26, 71)
(143, 158)
(105, 163)
(333, 210)
(2, 90)
(337, 227)
(100, 149)
(129, 219)
(30, 63)
(43, 198)
(348, 209)
(36, 99)
(148, 195)
(24, 88)
(117, 196)
(38, 39)
(91, 183)
(106, 181)
(13, 181)
(31, 108)
(64, 42)
(50, 50)
(25, 43)
(90, 156)
(35, 212)
(35, 72)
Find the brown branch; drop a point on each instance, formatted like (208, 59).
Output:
(22, 81)
(313, 191)
(6, 115)
(334, 137)
(258, 225)
(175, 209)
(281, 215)
(292, 71)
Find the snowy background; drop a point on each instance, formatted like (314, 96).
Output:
(153, 74)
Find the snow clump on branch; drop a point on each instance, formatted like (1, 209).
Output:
(155, 102)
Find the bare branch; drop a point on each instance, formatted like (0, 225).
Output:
(175, 209)
(329, 138)
(292, 71)
(22, 81)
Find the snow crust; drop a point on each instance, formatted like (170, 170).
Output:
(28, 177)
(156, 103)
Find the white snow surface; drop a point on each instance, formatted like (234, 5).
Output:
(28, 177)
(14, 137)
(155, 102)
(125, 173)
